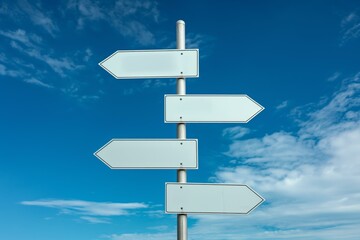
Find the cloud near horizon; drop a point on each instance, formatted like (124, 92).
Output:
(87, 210)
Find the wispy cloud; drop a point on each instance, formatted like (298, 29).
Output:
(88, 54)
(123, 15)
(89, 211)
(37, 82)
(334, 76)
(59, 65)
(157, 83)
(95, 219)
(148, 236)
(74, 90)
(150, 84)
(235, 132)
(20, 35)
(35, 56)
(39, 16)
(282, 105)
(3, 58)
(197, 41)
(89, 11)
(350, 27)
(4, 71)
(161, 228)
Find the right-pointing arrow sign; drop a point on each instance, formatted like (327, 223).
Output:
(210, 108)
(210, 198)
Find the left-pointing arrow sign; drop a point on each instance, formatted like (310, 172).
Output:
(149, 154)
(169, 63)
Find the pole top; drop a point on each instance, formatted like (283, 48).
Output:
(180, 22)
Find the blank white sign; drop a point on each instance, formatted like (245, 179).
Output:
(149, 154)
(210, 198)
(210, 108)
(170, 63)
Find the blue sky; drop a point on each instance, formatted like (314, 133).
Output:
(299, 59)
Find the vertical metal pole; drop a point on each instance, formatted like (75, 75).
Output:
(181, 129)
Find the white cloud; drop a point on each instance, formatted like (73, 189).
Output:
(235, 132)
(349, 19)
(310, 178)
(150, 84)
(273, 149)
(334, 76)
(95, 219)
(123, 16)
(37, 82)
(38, 16)
(88, 9)
(138, 31)
(20, 35)
(157, 83)
(88, 55)
(282, 105)
(143, 7)
(4, 71)
(197, 41)
(350, 27)
(161, 228)
(59, 65)
(137, 236)
(29, 44)
(3, 58)
(87, 208)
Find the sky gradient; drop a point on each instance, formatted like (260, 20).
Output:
(300, 60)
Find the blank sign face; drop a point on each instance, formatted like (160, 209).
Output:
(149, 154)
(210, 198)
(210, 108)
(170, 63)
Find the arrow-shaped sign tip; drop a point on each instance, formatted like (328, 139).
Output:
(259, 107)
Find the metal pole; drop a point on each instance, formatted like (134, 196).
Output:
(181, 129)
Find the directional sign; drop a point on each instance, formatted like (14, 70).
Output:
(210, 198)
(210, 108)
(171, 63)
(149, 154)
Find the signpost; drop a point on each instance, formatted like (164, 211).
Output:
(210, 198)
(181, 153)
(167, 63)
(210, 108)
(149, 154)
